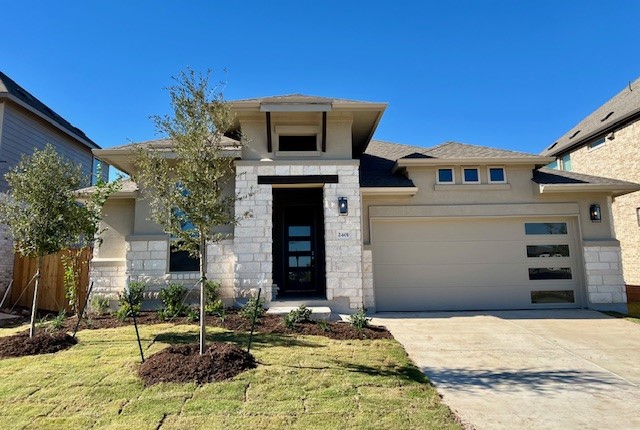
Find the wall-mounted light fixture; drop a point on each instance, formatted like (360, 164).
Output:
(595, 213)
(343, 206)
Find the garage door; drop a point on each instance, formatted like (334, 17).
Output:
(479, 264)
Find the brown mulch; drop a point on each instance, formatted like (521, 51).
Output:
(21, 344)
(183, 363)
(234, 321)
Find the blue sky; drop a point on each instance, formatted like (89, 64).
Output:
(508, 74)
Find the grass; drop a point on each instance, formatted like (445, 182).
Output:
(305, 382)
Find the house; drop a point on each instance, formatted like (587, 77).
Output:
(26, 124)
(347, 221)
(607, 143)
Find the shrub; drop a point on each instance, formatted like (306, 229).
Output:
(324, 325)
(55, 324)
(213, 305)
(192, 314)
(130, 300)
(359, 320)
(302, 314)
(290, 320)
(173, 296)
(99, 304)
(253, 308)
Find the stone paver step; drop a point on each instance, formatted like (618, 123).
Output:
(317, 312)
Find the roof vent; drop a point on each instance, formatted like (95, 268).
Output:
(607, 117)
(574, 134)
(552, 146)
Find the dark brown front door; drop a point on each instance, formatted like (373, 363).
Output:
(298, 242)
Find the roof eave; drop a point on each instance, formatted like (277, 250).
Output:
(614, 190)
(49, 120)
(389, 191)
(427, 162)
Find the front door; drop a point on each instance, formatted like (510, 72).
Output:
(298, 242)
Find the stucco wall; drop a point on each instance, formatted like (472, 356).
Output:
(620, 159)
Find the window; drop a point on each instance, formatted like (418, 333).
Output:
(98, 170)
(553, 165)
(297, 143)
(550, 251)
(565, 163)
(546, 273)
(181, 261)
(596, 144)
(446, 176)
(497, 175)
(534, 228)
(470, 175)
(552, 297)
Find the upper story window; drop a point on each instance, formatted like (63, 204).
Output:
(446, 176)
(297, 143)
(496, 175)
(470, 175)
(596, 144)
(96, 171)
(565, 162)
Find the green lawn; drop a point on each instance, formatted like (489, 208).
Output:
(301, 382)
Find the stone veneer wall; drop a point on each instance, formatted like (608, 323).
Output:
(253, 235)
(605, 283)
(367, 279)
(620, 159)
(6, 259)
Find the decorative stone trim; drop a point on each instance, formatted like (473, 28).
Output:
(605, 283)
(367, 279)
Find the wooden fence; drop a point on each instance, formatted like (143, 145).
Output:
(51, 294)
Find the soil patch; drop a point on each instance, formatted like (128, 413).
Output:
(183, 363)
(234, 321)
(21, 344)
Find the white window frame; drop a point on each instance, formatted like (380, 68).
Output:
(504, 175)
(453, 175)
(464, 180)
(599, 143)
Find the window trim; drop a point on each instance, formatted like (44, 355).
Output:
(596, 144)
(453, 176)
(504, 174)
(464, 180)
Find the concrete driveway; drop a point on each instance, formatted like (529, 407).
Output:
(556, 369)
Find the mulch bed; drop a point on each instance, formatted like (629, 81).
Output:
(183, 363)
(42, 343)
(234, 321)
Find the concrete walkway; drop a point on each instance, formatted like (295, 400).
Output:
(560, 369)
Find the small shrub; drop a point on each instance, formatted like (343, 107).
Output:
(55, 324)
(324, 325)
(359, 319)
(130, 300)
(193, 315)
(99, 304)
(290, 320)
(222, 313)
(173, 297)
(162, 315)
(211, 297)
(253, 309)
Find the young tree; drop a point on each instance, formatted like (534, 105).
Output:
(41, 210)
(187, 185)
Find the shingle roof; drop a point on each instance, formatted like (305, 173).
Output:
(9, 86)
(378, 160)
(624, 105)
(464, 150)
(127, 187)
(546, 175)
(166, 142)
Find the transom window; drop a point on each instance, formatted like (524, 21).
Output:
(497, 175)
(470, 175)
(446, 176)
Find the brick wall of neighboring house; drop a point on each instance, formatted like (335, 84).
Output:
(619, 159)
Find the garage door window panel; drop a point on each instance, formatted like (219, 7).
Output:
(549, 273)
(548, 251)
(560, 296)
(540, 228)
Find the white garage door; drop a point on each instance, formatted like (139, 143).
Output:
(479, 264)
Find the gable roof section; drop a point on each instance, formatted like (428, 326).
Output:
(10, 90)
(560, 181)
(623, 107)
(376, 165)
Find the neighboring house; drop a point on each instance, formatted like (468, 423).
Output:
(607, 143)
(26, 124)
(347, 221)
